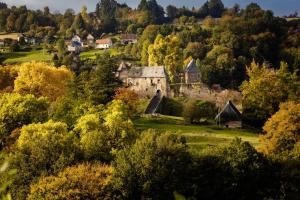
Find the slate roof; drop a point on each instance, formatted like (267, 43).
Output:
(147, 72)
(192, 67)
(229, 113)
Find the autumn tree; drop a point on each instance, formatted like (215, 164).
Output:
(101, 137)
(265, 90)
(7, 78)
(166, 51)
(83, 181)
(130, 99)
(42, 149)
(282, 130)
(17, 110)
(41, 79)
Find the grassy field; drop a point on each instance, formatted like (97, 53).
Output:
(197, 136)
(93, 53)
(19, 57)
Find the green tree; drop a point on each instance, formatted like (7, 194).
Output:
(106, 11)
(78, 24)
(100, 84)
(154, 167)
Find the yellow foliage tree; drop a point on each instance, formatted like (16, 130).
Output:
(282, 129)
(7, 77)
(42, 79)
(84, 181)
(166, 51)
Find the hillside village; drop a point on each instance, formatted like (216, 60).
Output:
(149, 102)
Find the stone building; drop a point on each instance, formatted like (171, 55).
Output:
(192, 73)
(145, 81)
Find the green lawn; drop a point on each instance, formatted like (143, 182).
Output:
(20, 57)
(197, 136)
(91, 54)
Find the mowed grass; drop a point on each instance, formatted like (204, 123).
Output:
(20, 57)
(197, 136)
(92, 54)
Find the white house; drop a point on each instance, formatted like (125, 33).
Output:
(104, 43)
(77, 39)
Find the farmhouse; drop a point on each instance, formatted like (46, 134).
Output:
(229, 116)
(129, 39)
(104, 43)
(75, 45)
(145, 81)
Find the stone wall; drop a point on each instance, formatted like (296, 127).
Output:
(148, 87)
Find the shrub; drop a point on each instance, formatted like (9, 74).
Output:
(84, 181)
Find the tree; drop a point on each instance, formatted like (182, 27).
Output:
(101, 138)
(78, 24)
(106, 11)
(94, 139)
(7, 77)
(129, 98)
(155, 11)
(17, 110)
(282, 129)
(216, 8)
(118, 123)
(144, 170)
(166, 51)
(171, 12)
(61, 47)
(10, 25)
(194, 111)
(42, 149)
(265, 90)
(42, 80)
(101, 83)
(46, 11)
(83, 181)
(69, 110)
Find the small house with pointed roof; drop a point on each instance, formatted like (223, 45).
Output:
(192, 73)
(104, 43)
(145, 81)
(229, 116)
